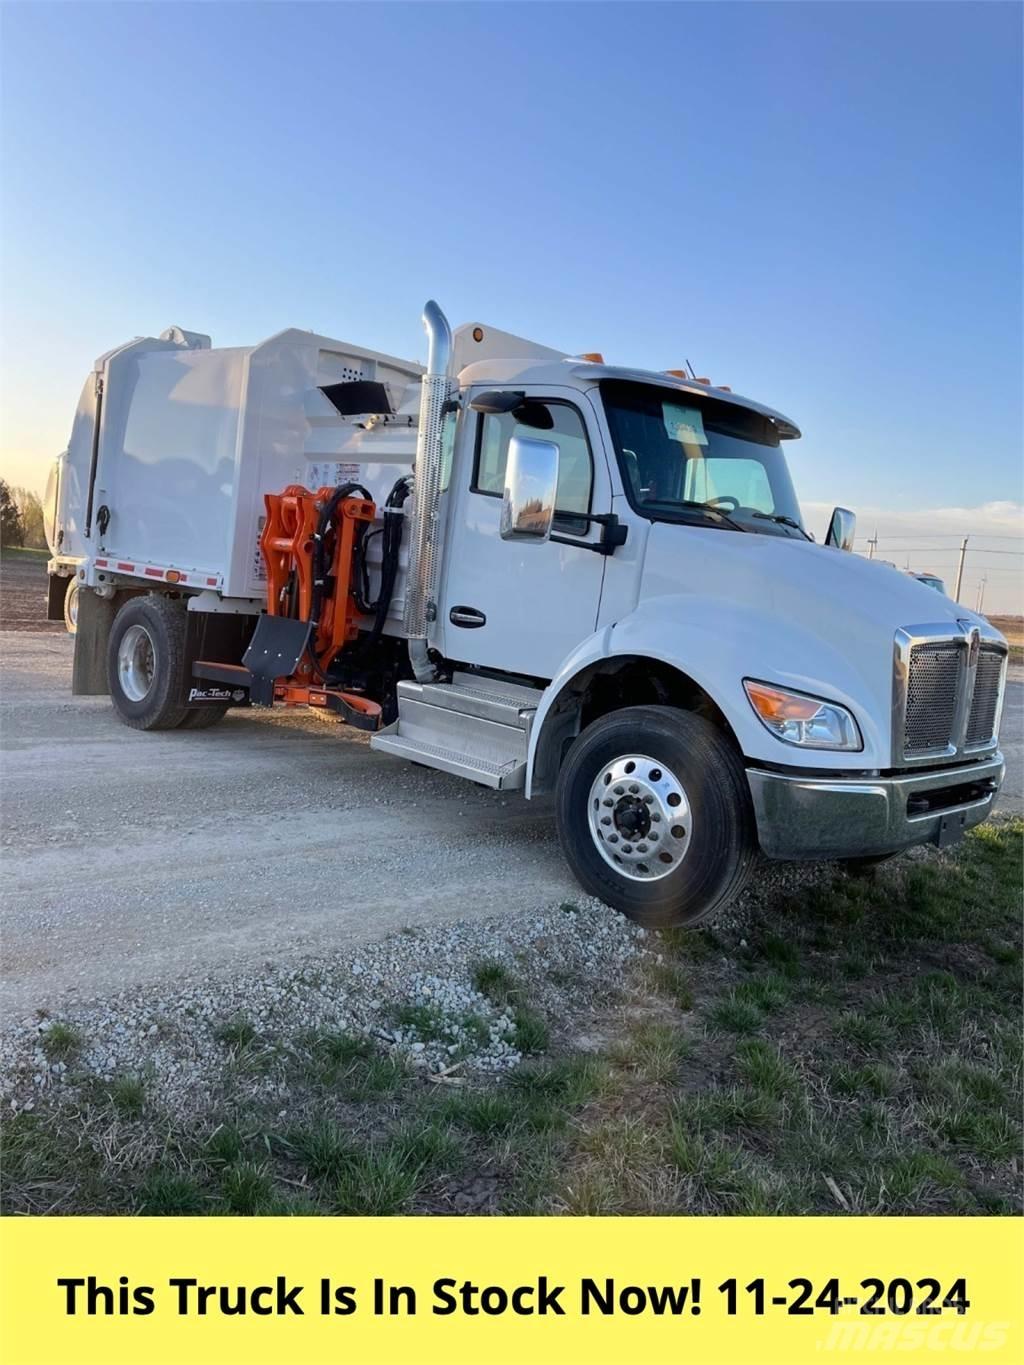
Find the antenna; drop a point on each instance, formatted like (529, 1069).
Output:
(693, 372)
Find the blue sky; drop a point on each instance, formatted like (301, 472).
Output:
(818, 204)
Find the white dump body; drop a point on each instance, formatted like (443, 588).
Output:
(191, 438)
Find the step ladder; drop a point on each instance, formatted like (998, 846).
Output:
(473, 727)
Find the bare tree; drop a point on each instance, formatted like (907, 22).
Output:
(12, 530)
(30, 509)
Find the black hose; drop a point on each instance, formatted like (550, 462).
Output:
(391, 544)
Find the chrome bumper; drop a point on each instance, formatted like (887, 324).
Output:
(803, 817)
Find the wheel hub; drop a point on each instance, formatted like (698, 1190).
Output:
(631, 817)
(640, 818)
(135, 663)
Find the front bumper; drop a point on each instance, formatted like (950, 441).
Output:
(804, 817)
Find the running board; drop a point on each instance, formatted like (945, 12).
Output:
(472, 727)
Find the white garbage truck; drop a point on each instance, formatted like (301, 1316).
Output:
(535, 571)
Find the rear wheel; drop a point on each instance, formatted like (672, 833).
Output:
(202, 717)
(146, 665)
(654, 815)
(71, 606)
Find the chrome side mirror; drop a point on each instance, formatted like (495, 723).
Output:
(531, 482)
(841, 528)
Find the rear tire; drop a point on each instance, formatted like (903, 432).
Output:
(202, 717)
(146, 664)
(71, 606)
(674, 839)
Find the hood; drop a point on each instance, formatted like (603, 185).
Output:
(724, 606)
(818, 588)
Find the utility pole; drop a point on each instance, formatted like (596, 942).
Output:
(981, 593)
(960, 569)
(872, 543)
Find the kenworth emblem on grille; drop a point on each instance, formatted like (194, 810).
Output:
(973, 642)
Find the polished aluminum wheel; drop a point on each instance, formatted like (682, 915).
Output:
(639, 817)
(135, 657)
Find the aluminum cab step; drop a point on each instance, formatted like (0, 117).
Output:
(473, 727)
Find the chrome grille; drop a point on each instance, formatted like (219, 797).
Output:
(932, 695)
(981, 723)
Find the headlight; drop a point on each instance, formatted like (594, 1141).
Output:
(796, 718)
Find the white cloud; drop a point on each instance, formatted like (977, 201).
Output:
(928, 538)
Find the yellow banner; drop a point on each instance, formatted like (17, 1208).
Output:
(166, 1291)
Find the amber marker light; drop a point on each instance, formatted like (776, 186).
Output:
(796, 718)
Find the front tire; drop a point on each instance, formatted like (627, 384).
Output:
(146, 664)
(654, 815)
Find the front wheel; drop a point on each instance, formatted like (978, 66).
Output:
(654, 815)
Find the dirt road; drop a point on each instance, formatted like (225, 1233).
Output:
(130, 857)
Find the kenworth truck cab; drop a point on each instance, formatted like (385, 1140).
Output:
(535, 571)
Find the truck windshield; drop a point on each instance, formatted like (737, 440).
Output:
(697, 458)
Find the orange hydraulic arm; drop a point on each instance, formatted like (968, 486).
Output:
(310, 577)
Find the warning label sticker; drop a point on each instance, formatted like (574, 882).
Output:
(330, 473)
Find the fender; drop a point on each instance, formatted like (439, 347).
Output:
(717, 652)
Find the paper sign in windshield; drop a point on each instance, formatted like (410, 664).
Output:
(684, 424)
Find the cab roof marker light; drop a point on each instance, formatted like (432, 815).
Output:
(805, 721)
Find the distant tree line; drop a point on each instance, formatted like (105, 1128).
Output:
(21, 518)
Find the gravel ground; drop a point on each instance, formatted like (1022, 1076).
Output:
(157, 885)
(175, 1036)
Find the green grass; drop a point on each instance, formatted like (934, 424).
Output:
(531, 1034)
(61, 1041)
(165, 1193)
(128, 1095)
(237, 1032)
(853, 1046)
(768, 993)
(873, 1039)
(247, 1188)
(494, 980)
(673, 980)
(735, 1015)
(653, 1050)
(378, 1181)
(854, 1081)
(24, 552)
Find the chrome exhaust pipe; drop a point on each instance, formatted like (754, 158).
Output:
(424, 546)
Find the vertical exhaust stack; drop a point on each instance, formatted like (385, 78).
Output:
(424, 547)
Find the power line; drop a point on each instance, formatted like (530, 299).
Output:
(946, 549)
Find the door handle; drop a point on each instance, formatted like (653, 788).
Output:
(467, 617)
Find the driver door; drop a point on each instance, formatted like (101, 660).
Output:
(508, 604)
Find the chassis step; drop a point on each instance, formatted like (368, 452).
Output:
(472, 727)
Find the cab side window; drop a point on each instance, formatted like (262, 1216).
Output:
(575, 468)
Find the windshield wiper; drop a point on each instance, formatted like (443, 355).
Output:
(707, 507)
(782, 521)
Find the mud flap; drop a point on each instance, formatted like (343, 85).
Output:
(274, 652)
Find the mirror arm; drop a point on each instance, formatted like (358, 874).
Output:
(613, 534)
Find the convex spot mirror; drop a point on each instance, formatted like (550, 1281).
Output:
(841, 529)
(531, 483)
